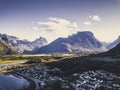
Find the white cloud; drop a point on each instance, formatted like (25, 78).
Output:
(57, 24)
(56, 27)
(96, 18)
(87, 23)
(35, 28)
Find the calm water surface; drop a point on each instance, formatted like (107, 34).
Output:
(12, 82)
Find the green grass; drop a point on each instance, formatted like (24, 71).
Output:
(11, 61)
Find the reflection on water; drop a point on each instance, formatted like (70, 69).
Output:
(12, 82)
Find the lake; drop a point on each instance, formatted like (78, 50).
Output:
(13, 82)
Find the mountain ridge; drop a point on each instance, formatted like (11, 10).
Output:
(79, 42)
(22, 45)
(114, 52)
(5, 49)
(114, 43)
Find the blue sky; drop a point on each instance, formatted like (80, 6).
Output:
(29, 19)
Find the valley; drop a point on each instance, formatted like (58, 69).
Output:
(64, 71)
(59, 45)
(78, 62)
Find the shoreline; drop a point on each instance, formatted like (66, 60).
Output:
(32, 85)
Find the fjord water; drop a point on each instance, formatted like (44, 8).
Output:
(12, 82)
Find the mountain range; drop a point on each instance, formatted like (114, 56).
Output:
(81, 42)
(76, 43)
(22, 45)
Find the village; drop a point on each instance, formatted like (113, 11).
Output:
(94, 80)
(47, 78)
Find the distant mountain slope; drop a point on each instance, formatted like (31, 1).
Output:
(22, 45)
(114, 51)
(114, 43)
(76, 43)
(5, 49)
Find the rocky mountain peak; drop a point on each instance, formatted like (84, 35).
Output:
(79, 42)
(22, 45)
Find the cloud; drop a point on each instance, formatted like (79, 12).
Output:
(87, 23)
(56, 27)
(35, 28)
(57, 24)
(96, 18)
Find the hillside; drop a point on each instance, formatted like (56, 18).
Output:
(5, 49)
(83, 64)
(114, 43)
(115, 52)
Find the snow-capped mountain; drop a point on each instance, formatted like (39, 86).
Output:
(76, 43)
(22, 45)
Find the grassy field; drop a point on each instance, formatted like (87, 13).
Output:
(11, 61)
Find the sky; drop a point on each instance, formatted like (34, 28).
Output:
(30, 19)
